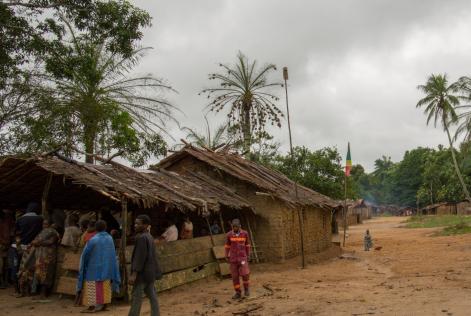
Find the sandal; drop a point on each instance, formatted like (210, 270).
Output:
(89, 310)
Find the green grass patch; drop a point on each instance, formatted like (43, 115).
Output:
(437, 221)
(458, 229)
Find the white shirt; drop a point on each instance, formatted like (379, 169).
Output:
(171, 234)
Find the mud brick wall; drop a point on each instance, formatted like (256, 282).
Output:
(446, 209)
(464, 208)
(275, 226)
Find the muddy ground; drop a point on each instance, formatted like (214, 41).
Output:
(414, 273)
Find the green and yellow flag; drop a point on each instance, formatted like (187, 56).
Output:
(348, 166)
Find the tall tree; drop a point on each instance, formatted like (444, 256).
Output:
(84, 63)
(245, 90)
(440, 102)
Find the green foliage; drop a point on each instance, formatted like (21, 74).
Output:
(458, 229)
(65, 80)
(319, 170)
(436, 221)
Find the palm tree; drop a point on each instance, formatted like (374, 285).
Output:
(244, 89)
(96, 88)
(464, 127)
(440, 103)
(221, 136)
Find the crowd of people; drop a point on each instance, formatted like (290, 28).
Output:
(29, 245)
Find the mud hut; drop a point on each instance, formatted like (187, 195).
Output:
(275, 226)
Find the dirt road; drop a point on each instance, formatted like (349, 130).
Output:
(413, 274)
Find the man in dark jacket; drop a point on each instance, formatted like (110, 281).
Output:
(30, 224)
(144, 268)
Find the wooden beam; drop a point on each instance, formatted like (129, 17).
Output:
(124, 236)
(45, 195)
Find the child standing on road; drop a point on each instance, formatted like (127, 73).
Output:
(367, 240)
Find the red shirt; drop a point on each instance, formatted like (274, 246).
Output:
(237, 246)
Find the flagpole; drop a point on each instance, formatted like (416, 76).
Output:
(300, 212)
(345, 209)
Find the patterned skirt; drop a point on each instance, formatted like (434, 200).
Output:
(96, 293)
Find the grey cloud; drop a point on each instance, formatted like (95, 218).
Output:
(354, 65)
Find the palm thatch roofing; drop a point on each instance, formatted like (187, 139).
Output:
(89, 186)
(268, 181)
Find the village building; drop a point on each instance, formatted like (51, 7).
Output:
(61, 183)
(275, 225)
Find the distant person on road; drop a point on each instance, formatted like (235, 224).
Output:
(144, 268)
(237, 248)
(368, 241)
(99, 272)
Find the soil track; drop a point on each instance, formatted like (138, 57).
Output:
(413, 274)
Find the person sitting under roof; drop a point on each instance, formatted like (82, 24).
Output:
(171, 233)
(187, 229)
(72, 232)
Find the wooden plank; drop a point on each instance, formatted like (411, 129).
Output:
(219, 252)
(183, 246)
(185, 260)
(224, 268)
(171, 280)
(66, 285)
(71, 261)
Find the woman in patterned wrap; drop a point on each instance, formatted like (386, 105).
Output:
(45, 255)
(99, 272)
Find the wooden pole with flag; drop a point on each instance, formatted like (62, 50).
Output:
(348, 168)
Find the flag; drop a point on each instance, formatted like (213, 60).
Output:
(348, 166)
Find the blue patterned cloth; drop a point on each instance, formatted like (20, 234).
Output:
(98, 262)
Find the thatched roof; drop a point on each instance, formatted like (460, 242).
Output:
(266, 180)
(89, 186)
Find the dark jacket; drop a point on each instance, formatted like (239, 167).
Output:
(29, 226)
(144, 259)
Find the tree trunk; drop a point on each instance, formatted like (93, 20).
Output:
(89, 143)
(457, 169)
(246, 127)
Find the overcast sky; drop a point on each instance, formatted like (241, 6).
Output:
(354, 65)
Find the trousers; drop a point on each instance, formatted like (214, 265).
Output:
(239, 269)
(136, 299)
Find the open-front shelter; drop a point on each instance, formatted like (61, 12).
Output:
(272, 196)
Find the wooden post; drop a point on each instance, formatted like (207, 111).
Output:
(252, 239)
(345, 210)
(45, 195)
(300, 212)
(222, 222)
(210, 232)
(124, 237)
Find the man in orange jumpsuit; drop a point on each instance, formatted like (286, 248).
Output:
(237, 248)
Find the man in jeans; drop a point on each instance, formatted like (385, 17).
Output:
(144, 268)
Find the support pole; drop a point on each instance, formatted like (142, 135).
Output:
(300, 211)
(345, 212)
(45, 195)
(124, 237)
(222, 222)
